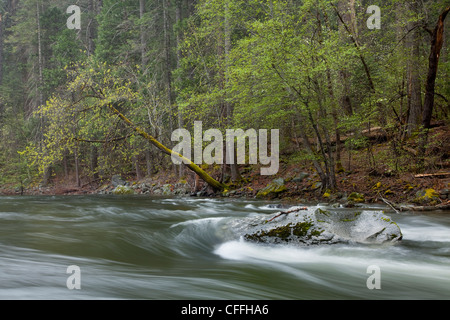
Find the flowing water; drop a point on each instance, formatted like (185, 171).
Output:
(136, 247)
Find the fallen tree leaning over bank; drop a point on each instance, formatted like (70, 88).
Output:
(216, 185)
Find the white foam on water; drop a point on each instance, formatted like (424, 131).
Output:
(346, 258)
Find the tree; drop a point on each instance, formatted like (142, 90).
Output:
(94, 99)
(437, 40)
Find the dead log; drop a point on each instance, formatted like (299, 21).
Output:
(295, 209)
(433, 175)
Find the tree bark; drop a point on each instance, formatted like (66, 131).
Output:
(347, 9)
(90, 29)
(178, 19)
(235, 175)
(437, 40)
(77, 167)
(94, 161)
(40, 58)
(1, 50)
(413, 76)
(167, 51)
(143, 43)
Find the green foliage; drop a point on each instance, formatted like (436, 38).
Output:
(262, 64)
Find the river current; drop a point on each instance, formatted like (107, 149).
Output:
(139, 247)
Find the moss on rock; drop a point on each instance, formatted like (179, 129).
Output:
(427, 196)
(272, 189)
(356, 197)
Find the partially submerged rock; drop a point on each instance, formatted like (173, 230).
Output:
(313, 227)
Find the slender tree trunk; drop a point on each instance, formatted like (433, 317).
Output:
(168, 71)
(235, 175)
(77, 167)
(90, 28)
(178, 19)
(40, 57)
(148, 161)
(137, 168)
(94, 161)
(413, 75)
(437, 40)
(65, 165)
(346, 25)
(144, 59)
(1, 49)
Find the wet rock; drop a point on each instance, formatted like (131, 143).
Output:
(316, 185)
(300, 177)
(315, 227)
(272, 189)
(444, 193)
(355, 197)
(117, 180)
(123, 190)
(427, 196)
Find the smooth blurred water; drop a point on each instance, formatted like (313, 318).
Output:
(138, 247)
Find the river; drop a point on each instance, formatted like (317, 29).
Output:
(139, 247)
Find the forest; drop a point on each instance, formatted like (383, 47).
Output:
(358, 89)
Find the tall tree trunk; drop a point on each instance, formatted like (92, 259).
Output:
(178, 19)
(413, 75)
(137, 168)
(168, 70)
(94, 161)
(437, 40)
(148, 162)
(40, 57)
(346, 25)
(143, 39)
(1, 49)
(77, 167)
(90, 28)
(234, 170)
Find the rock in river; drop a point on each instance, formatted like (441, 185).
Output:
(318, 226)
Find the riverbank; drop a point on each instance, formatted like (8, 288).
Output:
(291, 185)
(366, 176)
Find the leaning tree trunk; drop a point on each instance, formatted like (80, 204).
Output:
(206, 177)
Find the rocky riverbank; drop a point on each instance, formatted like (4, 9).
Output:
(292, 185)
(401, 193)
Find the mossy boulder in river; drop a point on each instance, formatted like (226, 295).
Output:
(318, 226)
